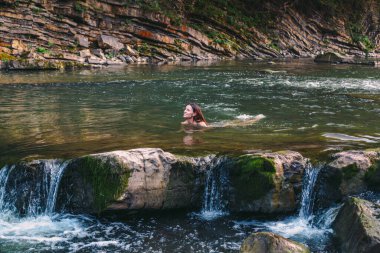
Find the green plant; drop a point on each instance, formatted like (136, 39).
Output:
(6, 57)
(144, 48)
(51, 44)
(36, 10)
(274, 46)
(78, 7)
(42, 50)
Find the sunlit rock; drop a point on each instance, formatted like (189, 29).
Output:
(265, 242)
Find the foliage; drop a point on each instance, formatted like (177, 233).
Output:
(144, 48)
(42, 50)
(6, 57)
(78, 7)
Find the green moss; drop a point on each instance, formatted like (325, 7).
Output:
(183, 170)
(350, 171)
(372, 176)
(253, 176)
(107, 179)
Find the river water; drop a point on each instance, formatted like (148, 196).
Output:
(311, 108)
(308, 107)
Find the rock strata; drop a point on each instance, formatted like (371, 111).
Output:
(31, 29)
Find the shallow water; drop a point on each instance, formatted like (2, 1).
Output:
(308, 107)
(171, 232)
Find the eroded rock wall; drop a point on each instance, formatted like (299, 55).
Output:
(106, 32)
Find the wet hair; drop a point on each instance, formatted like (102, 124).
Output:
(198, 113)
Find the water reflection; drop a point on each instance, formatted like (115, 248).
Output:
(66, 114)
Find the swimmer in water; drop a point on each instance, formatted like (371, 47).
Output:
(193, 116)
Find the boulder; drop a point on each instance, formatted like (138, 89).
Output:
(147, 179)
(18, 47)
(82, 41)
(111, 42)
(330, 57)
(357, 226)
(265, 242)
(267, 182)
(350, 172)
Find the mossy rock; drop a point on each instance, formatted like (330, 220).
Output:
(108, 179)
(350, 171)
(253, 177)
(91, 183)
(372, 176)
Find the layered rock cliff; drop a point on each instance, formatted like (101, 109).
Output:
(68, 33)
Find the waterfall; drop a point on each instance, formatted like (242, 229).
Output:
(55, 178)
(4, 174)
(30, 189)
(216, 190)
(308, 194)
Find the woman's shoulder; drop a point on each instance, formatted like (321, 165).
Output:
(202, 124)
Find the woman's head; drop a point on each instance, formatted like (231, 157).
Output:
(194, 111)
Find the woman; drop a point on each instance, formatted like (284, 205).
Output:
(193, 116)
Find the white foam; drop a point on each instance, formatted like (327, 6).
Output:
(346, 137)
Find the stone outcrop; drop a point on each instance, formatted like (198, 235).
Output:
(151, 179)
(350, 172)
(265, 242)
(139, 179)
(267, 182)
(357, 226)
(332, 57)
(47, 30)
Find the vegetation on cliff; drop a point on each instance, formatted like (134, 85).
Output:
(108, 32)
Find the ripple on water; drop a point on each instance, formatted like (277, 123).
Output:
(346, 137)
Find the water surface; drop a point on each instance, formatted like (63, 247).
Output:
(310, 108)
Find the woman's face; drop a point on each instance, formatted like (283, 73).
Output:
(188, 112)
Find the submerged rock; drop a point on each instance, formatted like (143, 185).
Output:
(357, 226)
(267, 182)
(350, 172)
(265, 242)
(334, 57)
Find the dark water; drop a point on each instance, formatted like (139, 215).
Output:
(308, 107)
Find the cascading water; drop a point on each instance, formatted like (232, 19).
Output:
(308, 194)
(216, 190)
(30, 190)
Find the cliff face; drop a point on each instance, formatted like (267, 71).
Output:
(62, 33)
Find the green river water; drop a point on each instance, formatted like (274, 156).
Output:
(312, 108)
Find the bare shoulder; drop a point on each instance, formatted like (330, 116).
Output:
(202, 124)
